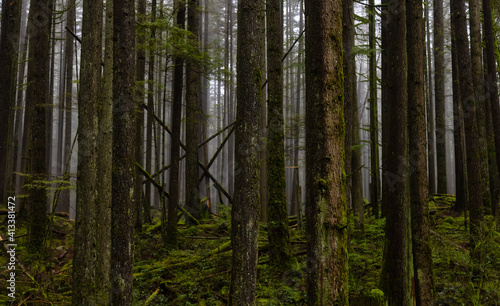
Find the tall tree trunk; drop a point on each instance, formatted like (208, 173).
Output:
(105, 162)
(431, 143)
(39, 26)
(326, 211)
(279, 238)
(86, 251)
(353, 160)
(264, 198)
(124, 108)
(477, 80)
(149, 118)
(245, 210)
(458, 134)
(395, 270)
(193, 92)
(9, 45)
(458, 18)
(439, 78)
(140, 75)
(170, 237)
(491, 84)
(374, 151)
(419, 185)
(68, 102)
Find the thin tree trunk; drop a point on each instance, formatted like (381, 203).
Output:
(170, 237)
(86, 251)
(431, 143)
(439, 80)
(395, 273)
(491, 84)
(419, 185)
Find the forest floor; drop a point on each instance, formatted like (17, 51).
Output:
(198, 273)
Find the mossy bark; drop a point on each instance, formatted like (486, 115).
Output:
(395, 269)
(193, 91)
(85, 257)
(422, 255)
(124, 108)
(245, 210)
(326, 211)
(36, 104)
(105, 162)
(458, 19)
(279, 238)
(169, 232)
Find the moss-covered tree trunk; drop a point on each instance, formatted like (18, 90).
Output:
(459, 21)
(85, 258)
(37, 98)
(395, 273)
(193, 92)
(374, 151)
(458, 135)
(439, 90)
(421, 247)
(477, 80)
(491, 86)
(169, 233)
(105, 162)
(279, 238)
(9, 44)
(245, 210)
(140, 75)
(124, 109)
(326, 211)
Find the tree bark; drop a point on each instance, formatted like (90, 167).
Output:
(491, 84)
(439, 78)
(279, 237)
(419, 186)
(395, 273)
(124, 108)
(39, 26)
(170, 237)
(245, 210)
(193, 92)
(326, 211)
(85, 257)
(458, 18)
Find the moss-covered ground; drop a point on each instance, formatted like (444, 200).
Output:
(198, 272)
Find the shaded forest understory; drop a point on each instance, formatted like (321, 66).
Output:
(198, 273)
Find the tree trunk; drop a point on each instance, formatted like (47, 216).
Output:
(140, 75)
(279, 238)
(170, 237)
(39, 26)
(193, 92)
(326, 211)
(419, 185)
(431, 143)
(458, 19)
(491, 84)
(9, 44)
(105, 162)
(245, 210)
(439, 78)
(395, 273)
(477, 80)
(264, 198)
(87, 209)
(124, 108)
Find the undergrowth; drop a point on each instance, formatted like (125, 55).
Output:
(199, 271)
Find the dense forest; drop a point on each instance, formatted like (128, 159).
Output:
(222, 152)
